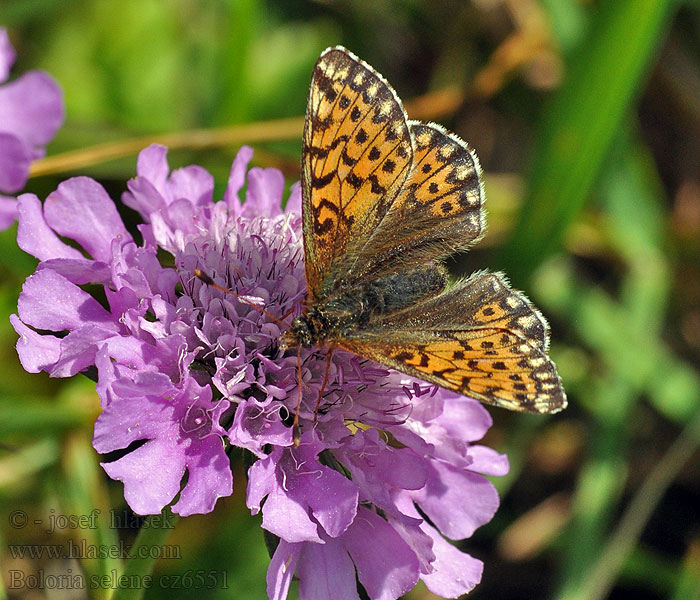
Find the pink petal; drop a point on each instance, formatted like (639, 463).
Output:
(78, 350)
(209, 478)
(34, 235)
(152, 165)
(15, 158)
(7, 55)
(148, 487)
(386, 565)
(264, 194)
(457, 501)
(487, 461)
(36, 352)
(455, 573)
(8, 211)
(288, 519)
(79, 271)
(49, 301)
(31, 107)
(194, 183)
(80, 209)
(281, 570)
(236, 177)
(325, 571)
(294, 200)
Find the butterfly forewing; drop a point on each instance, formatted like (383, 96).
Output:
(356, 156)
(438, 211)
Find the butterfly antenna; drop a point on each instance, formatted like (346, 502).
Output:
(288, 313)
(210, 282)
(295, 426)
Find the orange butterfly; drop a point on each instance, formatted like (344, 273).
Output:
(384, 200)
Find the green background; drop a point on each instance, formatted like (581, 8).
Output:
(586, 117)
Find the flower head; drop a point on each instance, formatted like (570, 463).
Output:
(31, 111)
(185, 371)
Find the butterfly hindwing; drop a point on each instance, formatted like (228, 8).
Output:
(493, 365)
(482, 300)
(479, 337)
(356, 155)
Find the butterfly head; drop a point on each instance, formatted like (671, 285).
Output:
(300, 333)
(311, 328)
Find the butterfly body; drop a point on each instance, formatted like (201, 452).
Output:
(384, 201)
(356, 308)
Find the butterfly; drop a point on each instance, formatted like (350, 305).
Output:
(384, 201)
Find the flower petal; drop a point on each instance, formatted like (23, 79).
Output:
(281, 570)
(7, 55)
(455, 573)
(49, 301)
(79, 271)
(15, 158)
(236, 177)
(78, 350)
(386, 565)
(34, 235)
(255, 425)
(152, 165)
(8, 210)
(298, 484)
(331, 497)
(487, 461)
(457, 501)
(148, 487)
(264, 191)
(126, 420)
(209, 478)
(99, 223)
(193, 183)
(36, 352)
(288, 519)
(294, 200)
(31, 107)
(325, 571)
(464, 418)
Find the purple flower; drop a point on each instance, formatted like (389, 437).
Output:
(31, 111)
(186, 371)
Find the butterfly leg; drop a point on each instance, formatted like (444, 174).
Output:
(326, 371)
(296, 434)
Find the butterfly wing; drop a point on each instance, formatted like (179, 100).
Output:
(482, 300)
(380, 193)
(438, 211)
(511, 374)
(479, 338)
(356, 155)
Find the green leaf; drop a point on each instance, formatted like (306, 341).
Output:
(603, 79)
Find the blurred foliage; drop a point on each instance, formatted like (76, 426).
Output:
(586, 117)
